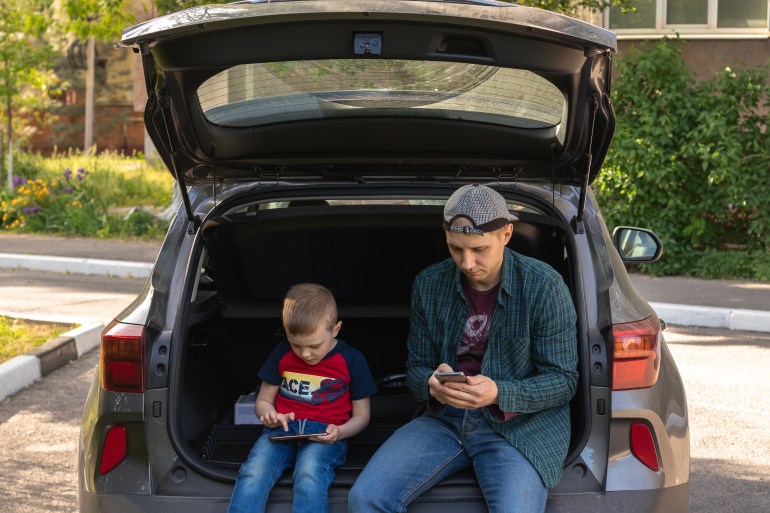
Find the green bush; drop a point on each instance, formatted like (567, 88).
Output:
(691, 161)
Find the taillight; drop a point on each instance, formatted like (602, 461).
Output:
(115, 448)
(122, 358)
(643, 445)
(636, 354)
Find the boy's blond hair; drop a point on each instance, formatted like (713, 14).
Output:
(306, 307)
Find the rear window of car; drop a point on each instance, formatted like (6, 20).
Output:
(264, 93)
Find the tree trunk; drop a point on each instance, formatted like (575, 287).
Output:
(89, 117)
(9, 184)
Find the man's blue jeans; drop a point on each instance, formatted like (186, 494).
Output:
(313, 462)
(429, 449)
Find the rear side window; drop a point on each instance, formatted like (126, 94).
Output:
(259, 94)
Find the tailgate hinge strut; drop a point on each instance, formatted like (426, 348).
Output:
(194, 221)
(577, 221)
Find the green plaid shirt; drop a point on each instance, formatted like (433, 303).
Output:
(531, 352)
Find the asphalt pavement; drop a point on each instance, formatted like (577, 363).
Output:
(31, 266)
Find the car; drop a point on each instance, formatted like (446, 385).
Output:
(317, 141)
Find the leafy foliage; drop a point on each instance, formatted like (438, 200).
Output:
(101, 19)
(691, 161)
(25, 74)
(572, 7)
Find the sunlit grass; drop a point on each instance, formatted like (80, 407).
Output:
(17, 336)
(121, 181)
(105, 195)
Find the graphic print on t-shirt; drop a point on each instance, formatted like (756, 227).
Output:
(311, 389)
(474, 334)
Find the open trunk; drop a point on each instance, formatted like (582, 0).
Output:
(368, 255)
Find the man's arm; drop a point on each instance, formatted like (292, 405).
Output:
(554, 356)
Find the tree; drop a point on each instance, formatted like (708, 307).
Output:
(24, 63)
(91, 20)
(573, 7)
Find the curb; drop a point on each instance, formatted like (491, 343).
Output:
(57, 264)
(713, 317)
(21, 371)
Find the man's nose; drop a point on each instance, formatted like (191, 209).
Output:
(468, 261)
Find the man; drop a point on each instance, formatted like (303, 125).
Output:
(508, 322)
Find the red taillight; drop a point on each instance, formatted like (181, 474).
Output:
(643, 445)
(122, 358)
(636, 354)
(115, 448)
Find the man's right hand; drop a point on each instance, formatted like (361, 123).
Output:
(274, 419)
(437, 389)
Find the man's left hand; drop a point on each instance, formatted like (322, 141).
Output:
(477, 392)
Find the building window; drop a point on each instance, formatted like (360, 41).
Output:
(692, 18)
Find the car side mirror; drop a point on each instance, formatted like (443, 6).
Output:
(637, 245)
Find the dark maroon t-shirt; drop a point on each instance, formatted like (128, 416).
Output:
(473, 344)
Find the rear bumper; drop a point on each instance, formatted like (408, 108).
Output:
(667, 500)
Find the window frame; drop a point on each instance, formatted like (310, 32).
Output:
(695, 31)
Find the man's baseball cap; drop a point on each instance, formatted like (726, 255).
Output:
(484, 207)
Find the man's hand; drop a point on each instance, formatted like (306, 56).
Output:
(477, 391)
(275, 419)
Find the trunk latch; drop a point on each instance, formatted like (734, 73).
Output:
(367, 44)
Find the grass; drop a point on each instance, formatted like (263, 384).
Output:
(104, 195)
(18, 336)
(121, 181)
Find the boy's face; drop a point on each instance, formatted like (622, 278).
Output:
(480, 258)
(314, 347)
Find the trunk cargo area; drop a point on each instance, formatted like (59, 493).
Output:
(368, 256)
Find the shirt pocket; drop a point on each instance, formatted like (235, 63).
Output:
(508, 358)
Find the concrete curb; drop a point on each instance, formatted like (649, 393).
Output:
(57, 264)
(713, 317)
(21, 371)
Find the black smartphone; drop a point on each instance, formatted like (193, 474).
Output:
(456, 377)
(278, 438)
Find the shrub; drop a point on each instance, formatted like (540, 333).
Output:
(690, 161)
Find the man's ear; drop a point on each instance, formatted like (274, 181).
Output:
(507, 233)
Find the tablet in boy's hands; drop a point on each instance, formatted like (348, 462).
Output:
(278, 438)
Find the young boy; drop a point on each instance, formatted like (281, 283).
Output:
(312, 383)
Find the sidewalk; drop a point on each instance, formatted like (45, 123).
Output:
(732, 304)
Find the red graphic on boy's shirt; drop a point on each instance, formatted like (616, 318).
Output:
(320, 392)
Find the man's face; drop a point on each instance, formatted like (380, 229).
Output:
(479, 257)
(314, 347)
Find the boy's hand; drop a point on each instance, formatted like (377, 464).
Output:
(331, 436)
(275, 419)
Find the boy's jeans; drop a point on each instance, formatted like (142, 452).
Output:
(429, 449)
(313, 462)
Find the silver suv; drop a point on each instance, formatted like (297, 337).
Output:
(317, 141)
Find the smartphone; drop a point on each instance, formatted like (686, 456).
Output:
(444, 377)
(278, 438)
